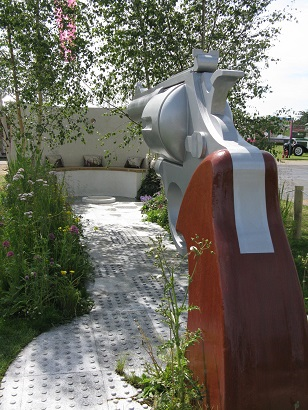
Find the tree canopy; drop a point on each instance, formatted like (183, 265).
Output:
(43, 67)
(150, 40)
(56, 55)
(302, 118)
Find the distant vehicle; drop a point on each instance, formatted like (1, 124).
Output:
(298, 146)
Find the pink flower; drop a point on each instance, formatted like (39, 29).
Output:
(10, 254)
(6, 244)
(74, 230)
(67, 28)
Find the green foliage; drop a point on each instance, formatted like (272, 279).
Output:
(147, 41)
(44, 265)
(168, 382)
(264, 144)
(285, 208)
(150, 185)
(15, 334)
(128, 135)
(118, 44)
(299, 249)
(302, 266)
(38, 77)
(120, 366)
(155, 209)
(298, 246)
(257, 129)
(303, 118)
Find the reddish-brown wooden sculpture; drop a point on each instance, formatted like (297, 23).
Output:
(254, 352)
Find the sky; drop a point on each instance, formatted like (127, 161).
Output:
(289, 77)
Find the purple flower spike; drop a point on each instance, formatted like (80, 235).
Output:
(6, 244)
(145, 198)
(10, 254)
(52, 236)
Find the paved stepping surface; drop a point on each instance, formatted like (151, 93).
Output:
(73, 366)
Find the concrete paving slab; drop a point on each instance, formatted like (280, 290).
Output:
(73, 366)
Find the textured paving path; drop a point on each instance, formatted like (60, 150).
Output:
(73, 366)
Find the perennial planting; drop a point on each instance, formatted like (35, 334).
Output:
(44, 265)
(154, 209)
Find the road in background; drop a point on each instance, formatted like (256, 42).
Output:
(291, 174)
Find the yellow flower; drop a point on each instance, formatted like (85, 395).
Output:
(63, 272)
(72, 272)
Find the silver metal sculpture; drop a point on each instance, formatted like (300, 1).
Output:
(186, 118)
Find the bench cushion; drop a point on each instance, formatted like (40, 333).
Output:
(92, 161)
(133, 162)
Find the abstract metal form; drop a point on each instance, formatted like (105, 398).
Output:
(254, 351)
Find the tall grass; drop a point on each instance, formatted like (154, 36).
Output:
(43, 263)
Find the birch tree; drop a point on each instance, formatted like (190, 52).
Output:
(45, 56)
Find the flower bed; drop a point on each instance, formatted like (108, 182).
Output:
(43, 263)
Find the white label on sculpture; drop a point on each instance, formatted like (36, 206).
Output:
(250, 202)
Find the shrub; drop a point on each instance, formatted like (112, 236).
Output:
(150, 185)
(155, 209)
(264, 144)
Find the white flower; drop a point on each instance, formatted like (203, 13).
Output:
(195, 250)
(17, 176)
(24, 196)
